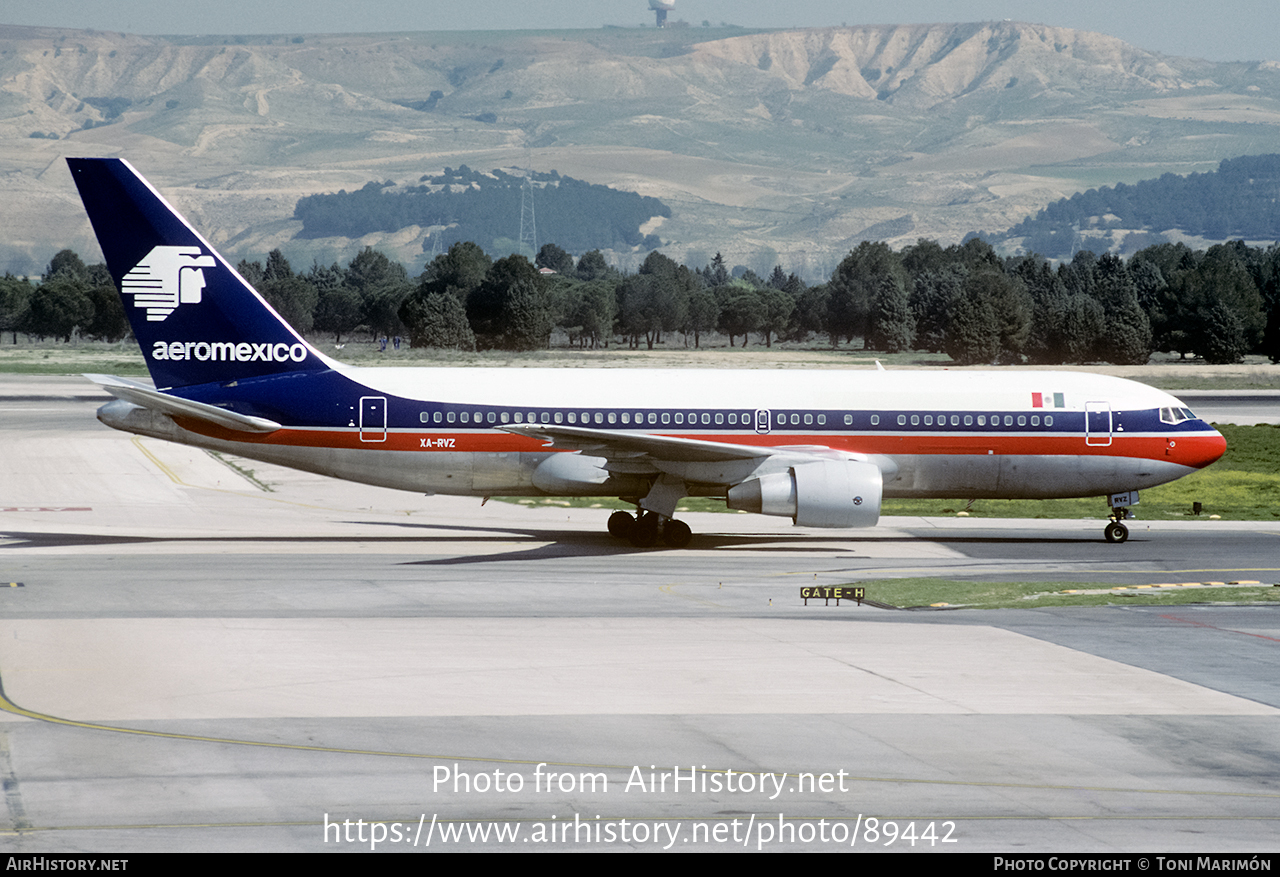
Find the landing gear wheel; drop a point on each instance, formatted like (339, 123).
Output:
(645, 532)
(1116, 532)
(621, 524)
(676, 534)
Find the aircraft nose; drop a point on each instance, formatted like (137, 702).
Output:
(1197, 451)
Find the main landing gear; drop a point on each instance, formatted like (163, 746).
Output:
(644, 530)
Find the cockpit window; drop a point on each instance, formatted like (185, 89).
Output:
(1176, 415)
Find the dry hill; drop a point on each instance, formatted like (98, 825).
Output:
(773, 146)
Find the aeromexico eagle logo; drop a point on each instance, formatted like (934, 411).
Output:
(167, 277)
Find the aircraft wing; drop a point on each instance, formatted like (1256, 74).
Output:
(139, 394)
(695, 459)
(635, 445)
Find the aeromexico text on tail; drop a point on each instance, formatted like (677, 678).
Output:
(820, 447)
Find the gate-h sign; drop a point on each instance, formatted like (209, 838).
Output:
(829, 593)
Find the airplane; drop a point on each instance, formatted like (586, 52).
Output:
(823, 447)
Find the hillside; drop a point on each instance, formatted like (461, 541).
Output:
(776, 146)
(1240, 200)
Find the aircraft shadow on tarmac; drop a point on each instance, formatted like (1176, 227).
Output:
(562, 543)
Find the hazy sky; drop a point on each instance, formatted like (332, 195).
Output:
(1226, 30)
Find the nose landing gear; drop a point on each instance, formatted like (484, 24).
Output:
(1115, 531)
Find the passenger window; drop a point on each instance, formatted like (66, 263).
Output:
(546, 418)
(915, 419)
(436, 417)
(795, 419)
(573, 417)
(822, 420)
(1048, 420)
(982, 420)
(719, 419)
(928, 420)
(1035, 419)
(519, 417)
(706, 419)
(465, 417)
(1008, 420)
(679, 417)
(968, 420)
(613, 418)
(505, 417)
(424, 417)
(450, 417)
(733, 419)
(902, 420)
(626, 417)
(875, 419)
(666, 418)
(1022, 420)
(559, 417)
(653, 418)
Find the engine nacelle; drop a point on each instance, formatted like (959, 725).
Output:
(824, 493)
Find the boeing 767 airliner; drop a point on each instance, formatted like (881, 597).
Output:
(820, 447)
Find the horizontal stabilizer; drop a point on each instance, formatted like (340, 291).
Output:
(138, 394)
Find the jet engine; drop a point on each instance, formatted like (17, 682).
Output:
(824, 493)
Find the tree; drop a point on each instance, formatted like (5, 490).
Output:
(590, 313)
(933, 294)
(109, 322)
(339, 310)
(742, 312)
(437, 320)
(592, 266)
(383, 286)
(719, 274)
(293, 298)
(703, 314)
(1220, 337)
(509, 309)
(778, 307)
(69, 263)
(1126, 334)
(893, 325)
(58, 307)
(15, 298)
(457, 272)
(861, 289)
(554, 258)
(971, 333)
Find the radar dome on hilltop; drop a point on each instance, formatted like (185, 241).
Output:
(661, 8)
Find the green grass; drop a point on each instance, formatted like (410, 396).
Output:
(926, 592)
(79, 357)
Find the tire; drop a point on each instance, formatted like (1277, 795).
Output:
(676, 534)
(1116, 532)
(621, 524)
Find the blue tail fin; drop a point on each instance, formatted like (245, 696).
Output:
(195, 317)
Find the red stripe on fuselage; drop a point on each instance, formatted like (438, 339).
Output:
(1195, 450)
